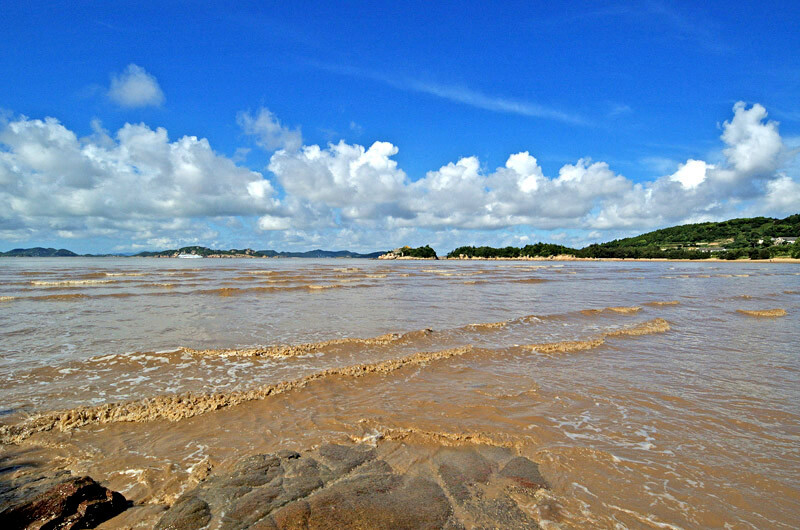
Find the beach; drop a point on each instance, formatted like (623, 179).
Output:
(648, 393)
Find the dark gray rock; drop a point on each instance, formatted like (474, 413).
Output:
(373, 500)
(187, 513)
(339, 486)
(76, 503)
(344, 458)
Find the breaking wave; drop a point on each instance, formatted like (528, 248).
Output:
(765, 313)
(186, 405)
(623, 310)
(68, 283)
(295, 350)
(657, 325)
(179, 407)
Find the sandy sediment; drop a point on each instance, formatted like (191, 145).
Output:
(283, 351)
(764, 313)
(668, 302)
(567, 346)
(294, 350)
(178, 407)
(416, 435)
(623, 310)
(657, 325)
(480, 326)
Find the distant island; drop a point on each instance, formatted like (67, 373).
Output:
(203, 252)
(753, 238)
(250, 253)
(39, 252)
(406, 252)
(745, 238)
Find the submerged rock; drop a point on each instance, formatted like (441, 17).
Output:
(524, 472)
(76, 503)
(349, 486)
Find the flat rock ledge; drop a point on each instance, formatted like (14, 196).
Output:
(75, 503)
(341, 486)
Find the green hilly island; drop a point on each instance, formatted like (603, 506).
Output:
(39, 252)
(753, 237)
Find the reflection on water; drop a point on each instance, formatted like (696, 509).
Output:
(648, 392)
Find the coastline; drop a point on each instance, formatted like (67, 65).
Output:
(573, 258)
(444, 258)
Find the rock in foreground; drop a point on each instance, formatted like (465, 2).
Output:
(350, 487)
(77, 503)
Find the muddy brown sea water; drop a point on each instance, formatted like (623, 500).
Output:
(663, 395)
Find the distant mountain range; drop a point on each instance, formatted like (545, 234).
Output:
(250, 253)
(40, 252)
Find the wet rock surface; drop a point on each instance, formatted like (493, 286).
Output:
(74, 503)
(352, 486)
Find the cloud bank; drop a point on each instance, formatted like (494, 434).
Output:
(140, 186)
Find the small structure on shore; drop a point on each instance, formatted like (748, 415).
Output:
(407, 252)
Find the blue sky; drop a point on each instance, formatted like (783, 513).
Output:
(176, 123)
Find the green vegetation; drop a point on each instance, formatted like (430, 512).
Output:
(200, 251)
(537, 250)
(39, 252)
(419, 252)
(738, 238)
(738, 233)
(734, 239)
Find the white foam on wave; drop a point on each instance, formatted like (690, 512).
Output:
(64, 283)
(647, 519)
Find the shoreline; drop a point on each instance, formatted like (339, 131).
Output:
(573, 258)
(444, 258)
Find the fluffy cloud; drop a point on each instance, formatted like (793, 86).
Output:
(135, 87)
(363, 183)
(692, 173)
(754, 147)
(141, 184)
(268, 131)
(138, 180)
(366, 185)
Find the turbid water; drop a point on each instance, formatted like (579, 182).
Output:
(652, 394)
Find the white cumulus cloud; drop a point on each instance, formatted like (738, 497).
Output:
(366, 185)
(140, 185)
(134, 182)
(268, 131)
(135, 87)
